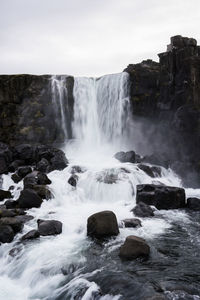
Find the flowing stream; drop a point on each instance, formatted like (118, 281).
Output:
(70, 265)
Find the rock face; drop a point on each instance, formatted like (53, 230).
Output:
(165, 101)
(28, 113)
(162, 197)
(49, 227)
(102, 225)
(134, 247)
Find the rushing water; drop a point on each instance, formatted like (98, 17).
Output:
(70, 265)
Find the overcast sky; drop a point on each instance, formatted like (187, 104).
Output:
(89, 37)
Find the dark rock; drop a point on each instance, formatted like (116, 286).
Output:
(23, 171)
(134, 247)
(5, 195)
(24, 218)
(16, 178)
(36, 178)
(77, 169)
(28, 199)
(143, 210)
(43, 165)
(123, 157)
(25, 152)
(162, 197)
(43, 191)
(6, 234)
(11, 204)
(193, 203)
(14, 222)
(15, 165)
(132, 223)
(152, 171)
(6, 157)
(11, 188)
(73, 180)
(58, 161)
(33, 234)
(7, 213)
(102, 225)
(49, 227)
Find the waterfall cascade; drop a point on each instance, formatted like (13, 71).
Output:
(70, 266)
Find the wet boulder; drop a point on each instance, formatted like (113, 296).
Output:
(49, 227)
(25, 152)
(5, 195)
(43, 191)
(7, 213)
(6, 234)
(33, 234)
(43, 165)
(102, 224)
(58, 161)
(143, 210)
(162, 197)
(73, 180)
(16, 178)
(15, 165)
(134, 247)
(11, 204)
(16, 224)
(152, 171)
(193, 204)
(28, 199)
(132, 223)
(124, 157)
(23, 171)
(36, 178)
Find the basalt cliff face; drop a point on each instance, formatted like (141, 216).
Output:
(165, 100)
(28, 113)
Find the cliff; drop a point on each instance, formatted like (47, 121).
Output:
(165, 97)
(27, 110)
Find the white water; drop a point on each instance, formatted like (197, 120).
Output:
(36, 272)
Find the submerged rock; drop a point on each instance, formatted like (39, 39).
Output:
(29, 198)
(123, 157)
(143, 210)
(49, 227)
(162, 197)
(73, 180)
(102, 224)
(152, 171)
(33, 234)
(134, 247)
(128, 223)
(5, 195)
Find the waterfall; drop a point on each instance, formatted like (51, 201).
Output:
(100, 108)
(59, 99)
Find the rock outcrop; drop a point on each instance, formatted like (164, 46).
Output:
(165, 102)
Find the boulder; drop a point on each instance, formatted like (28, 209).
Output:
(29, 198)
(15, 165)
(58, 161)
(6, 234)
(23, 171)
(143, 210)
(43, 165)
(25, 152)
(133, 222)
(33, 234)
(73, 180)
(162, 197)
(7, 213)
(49, 227)
(16, 178)
(123, 157)
(152, 171)
(102, 224)
(36, 178)
(43, 191)
(11, 204)
(134, 247)
(5, 195)
(14, 222)
(193, 203)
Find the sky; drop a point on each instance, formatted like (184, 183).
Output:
(89, 37)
